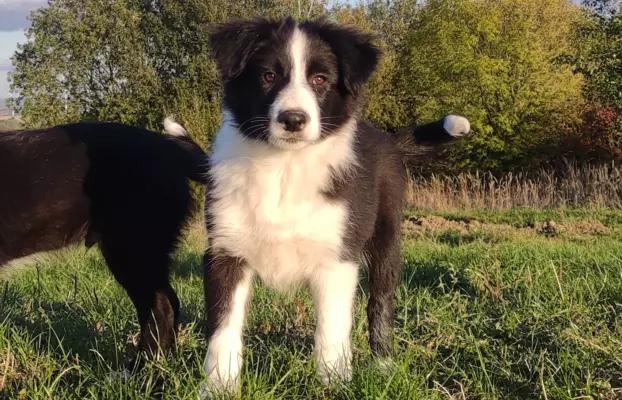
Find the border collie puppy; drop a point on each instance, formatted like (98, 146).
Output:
(124, 188)
(300, 190)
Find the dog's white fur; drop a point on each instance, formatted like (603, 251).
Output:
(269, 206)
(297, 95)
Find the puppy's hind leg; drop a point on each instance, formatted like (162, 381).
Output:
(385, 267)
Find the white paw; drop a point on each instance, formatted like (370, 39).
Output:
(334, 366)
(209, 390)
(216, 388)
(222, 367)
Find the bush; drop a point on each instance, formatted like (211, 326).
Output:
(493, 61)
(602, 128)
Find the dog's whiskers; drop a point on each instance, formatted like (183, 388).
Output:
(252, 127)
(260, 118)
(257, 129)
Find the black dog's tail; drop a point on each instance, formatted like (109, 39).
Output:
(421, 139)
(194, 156)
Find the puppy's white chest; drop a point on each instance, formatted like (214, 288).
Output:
(271, 211)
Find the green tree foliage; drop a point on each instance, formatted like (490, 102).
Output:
(391, 21)
(132, 61)
(599, 51)
(84, 59)
(495, 62)
(597, 54)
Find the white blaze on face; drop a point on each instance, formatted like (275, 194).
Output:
(297, 95)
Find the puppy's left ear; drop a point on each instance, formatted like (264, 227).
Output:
(357, 55)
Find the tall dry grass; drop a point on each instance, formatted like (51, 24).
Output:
(571, 186)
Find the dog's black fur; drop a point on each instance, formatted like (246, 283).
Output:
(121, 187)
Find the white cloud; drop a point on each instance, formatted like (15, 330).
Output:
(13, 13)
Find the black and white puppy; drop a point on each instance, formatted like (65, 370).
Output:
(300, 191)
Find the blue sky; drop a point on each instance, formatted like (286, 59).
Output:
(13, 21)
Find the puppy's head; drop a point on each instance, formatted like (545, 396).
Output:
(292, 84)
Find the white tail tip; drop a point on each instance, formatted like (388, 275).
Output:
(456, 126)
(173, 128)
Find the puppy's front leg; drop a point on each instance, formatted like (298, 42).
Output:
(334, 289)
(227, 284)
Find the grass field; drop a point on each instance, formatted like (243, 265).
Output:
(9, 124)
(492, 305)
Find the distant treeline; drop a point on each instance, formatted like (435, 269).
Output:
(539, 79)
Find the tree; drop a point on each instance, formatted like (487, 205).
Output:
(84, 59)
(597, 55)
(599, 52)
(131, 61)
(496, 62)
(389, 20)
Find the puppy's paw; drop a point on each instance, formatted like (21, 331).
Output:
(334, 367)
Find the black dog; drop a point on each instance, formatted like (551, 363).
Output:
(121, 187)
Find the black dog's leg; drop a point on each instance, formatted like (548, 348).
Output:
(144, 276)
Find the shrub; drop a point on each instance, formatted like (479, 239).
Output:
(494, 61)
(602, 128)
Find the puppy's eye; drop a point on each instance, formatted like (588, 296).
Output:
(269, 76)
(319, 80)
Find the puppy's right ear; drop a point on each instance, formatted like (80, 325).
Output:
(233, 43)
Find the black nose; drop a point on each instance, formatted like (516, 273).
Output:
(292, 120)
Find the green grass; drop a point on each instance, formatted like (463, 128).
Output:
(10, 124)
(520, 216)
(491, 314)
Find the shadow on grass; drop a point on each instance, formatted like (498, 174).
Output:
(61, 330)
(438, 278)
(187, 264)
(71, 351)
(454, 238)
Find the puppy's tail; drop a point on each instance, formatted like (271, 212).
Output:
(192, 155)
(422, 139)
